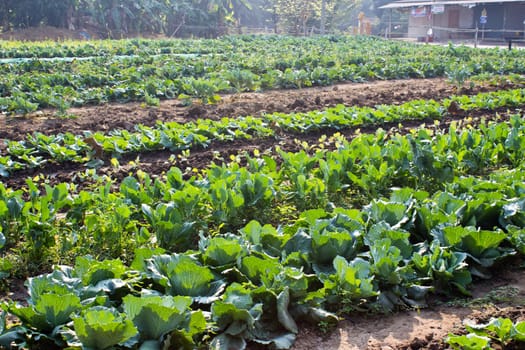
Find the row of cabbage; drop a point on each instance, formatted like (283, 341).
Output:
(39, 149)
(41, 225)
(126, 47)
(250, 64)
(191, 282)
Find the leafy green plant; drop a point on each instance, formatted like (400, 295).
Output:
(236, 316)
(181, 275)
(499, 330)
(339, 236)
(444, 266)
(481, 246)
(222, 251)
(20, 105)
(172, 230)
(468, 342)
(157, 317)
(204, 90)
(458, 75)
(48, 312)
(242, 80)
(351, 283)
(151, 100)
(101, 328)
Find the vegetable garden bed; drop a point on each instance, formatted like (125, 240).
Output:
(234, 231)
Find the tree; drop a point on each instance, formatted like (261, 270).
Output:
(58, 13)
(175, 17)
(119, 17)
(323, 16)
(225, 11)
(259, 15)
(342, 13)
(181, 12)
(5, 11)
(26, 13)
(295, 14)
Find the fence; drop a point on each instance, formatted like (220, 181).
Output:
(474, 35)
(300, 30)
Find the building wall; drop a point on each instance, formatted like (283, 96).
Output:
(466, 17)
(418, 26)
(454, 17)
(508, 16)
(514, 17)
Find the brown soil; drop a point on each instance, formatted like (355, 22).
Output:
(502, 296)
(159, 162)
(125, 116)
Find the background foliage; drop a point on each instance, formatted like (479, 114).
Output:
(201, 18)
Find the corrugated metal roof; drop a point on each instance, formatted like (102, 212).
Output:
(410, 3)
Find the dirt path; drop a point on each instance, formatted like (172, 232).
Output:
(412, 329)
(502, 296)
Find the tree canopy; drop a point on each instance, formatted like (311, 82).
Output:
(115, 18)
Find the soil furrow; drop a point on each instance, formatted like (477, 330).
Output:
(109, 117)
(158, 162)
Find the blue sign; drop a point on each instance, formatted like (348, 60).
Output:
(483, 19)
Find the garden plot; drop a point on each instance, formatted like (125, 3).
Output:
(267, 217)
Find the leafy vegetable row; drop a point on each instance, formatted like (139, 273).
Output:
(96, 48)
(501, 331)
(138, 46)
(39, 149)
(170, 213)
(245, 281)
(238, 64)
(253, 285)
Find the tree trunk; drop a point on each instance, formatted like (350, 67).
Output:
(221, 30)
(4, 20)
(69, 18)
(323, 16)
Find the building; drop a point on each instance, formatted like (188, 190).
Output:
(462, 19)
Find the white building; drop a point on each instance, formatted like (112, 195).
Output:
(458, 19)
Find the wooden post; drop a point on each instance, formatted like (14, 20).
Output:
(390, 24)
(476, 36)
(360, 24)
(483, 14)
(504, 21)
